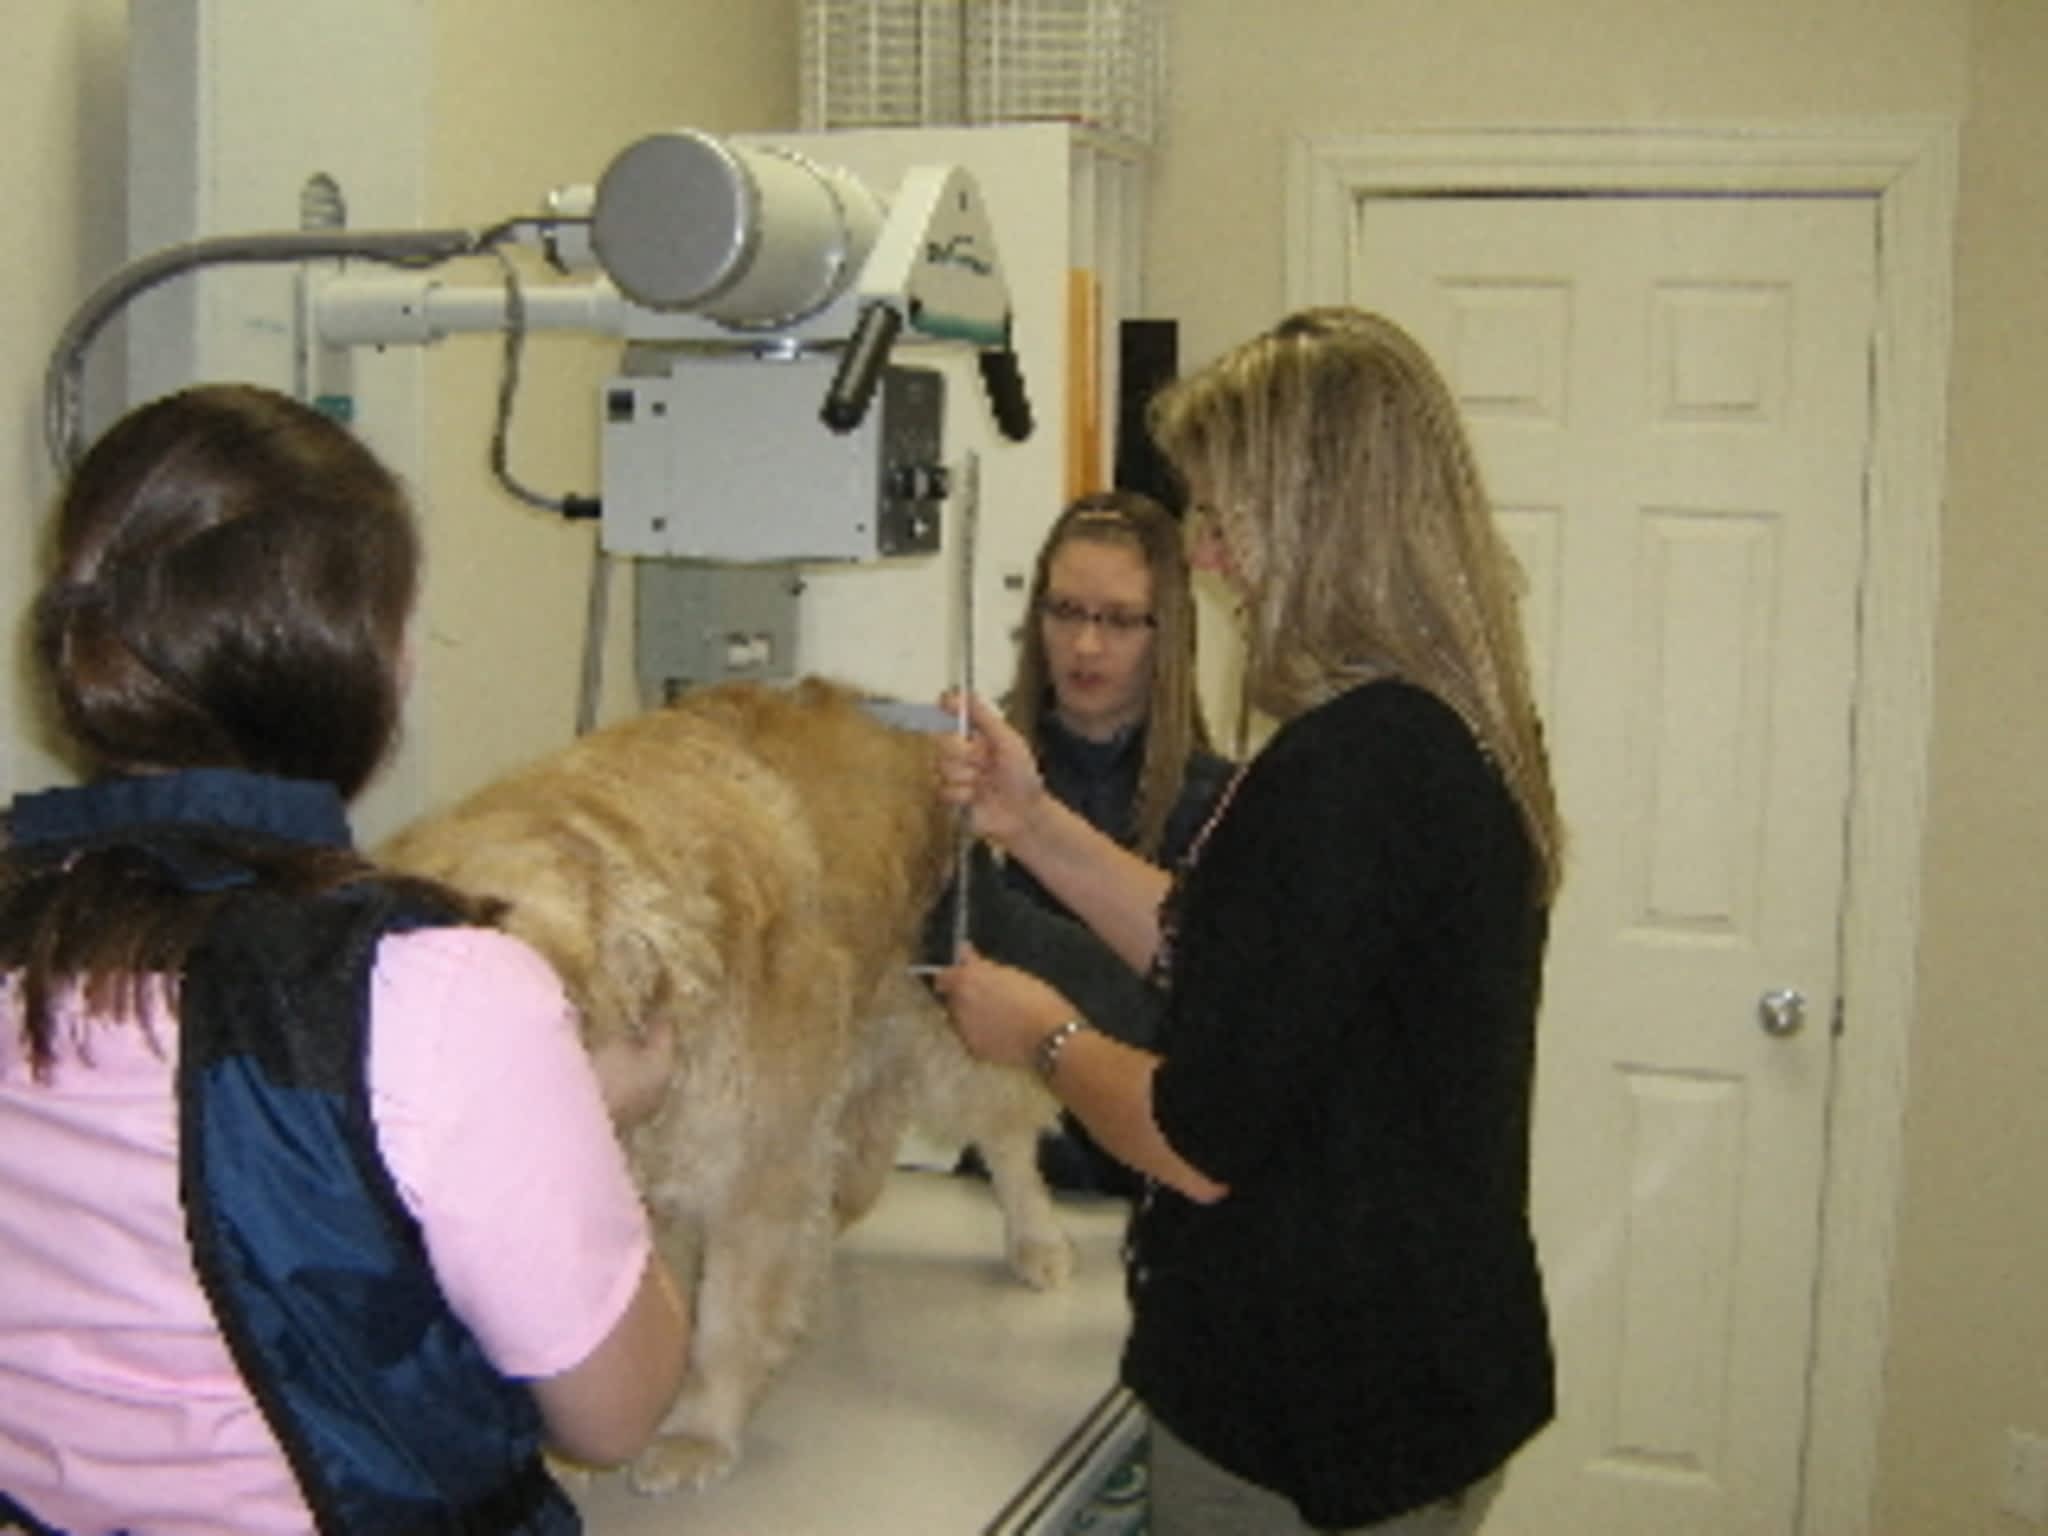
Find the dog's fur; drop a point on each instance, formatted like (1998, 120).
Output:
(755, 864)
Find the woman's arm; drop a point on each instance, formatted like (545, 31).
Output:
(1108, 887)
(492, 1122)
(1108, 1086)
(606, 1409)
(634, 1072)
(1111, 889)
(1007, 1016)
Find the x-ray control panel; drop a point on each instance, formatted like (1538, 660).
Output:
(721, 459)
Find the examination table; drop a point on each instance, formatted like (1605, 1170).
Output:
(936, 1394)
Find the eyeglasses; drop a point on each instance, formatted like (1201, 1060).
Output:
(1064, 613)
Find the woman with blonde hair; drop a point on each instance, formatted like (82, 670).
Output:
(1338, 1320)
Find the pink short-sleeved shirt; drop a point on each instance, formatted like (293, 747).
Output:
(119, 1406)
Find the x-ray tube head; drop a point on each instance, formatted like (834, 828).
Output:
(751, 236)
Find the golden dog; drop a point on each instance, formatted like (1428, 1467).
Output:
(754, 863)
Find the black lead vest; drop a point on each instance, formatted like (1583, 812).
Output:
(392, 1419)
(390, 1415)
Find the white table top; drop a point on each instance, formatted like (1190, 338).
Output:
(933, 1388)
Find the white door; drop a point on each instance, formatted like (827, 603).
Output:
(1670, 400)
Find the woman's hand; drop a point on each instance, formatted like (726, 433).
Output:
(1000, 1012)
(633, 1071)
(1004, 1015)
(993, 772)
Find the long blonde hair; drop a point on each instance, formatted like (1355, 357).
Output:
(1331, 452)
(1174, 724)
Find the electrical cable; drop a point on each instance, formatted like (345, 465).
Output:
(512, 357)
(597, 602)
(63, 379)
(508, 387)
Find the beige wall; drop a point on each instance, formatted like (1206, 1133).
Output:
(1970, 1351)
(525, 98)
(61, 127)
(522, 98)
(1245, 78)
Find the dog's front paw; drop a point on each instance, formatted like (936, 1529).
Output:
(677, 1461)
(1043, 1262)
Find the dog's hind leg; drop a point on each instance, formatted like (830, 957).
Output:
(1040, 1252)
(871, 1120)
(1002, 1112)
(871, 1133)
(878, 1103)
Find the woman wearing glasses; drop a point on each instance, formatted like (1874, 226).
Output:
(1105, 682)
(1338, 1322)
(1105, 692)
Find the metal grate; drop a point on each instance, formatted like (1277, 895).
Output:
(869, 63)
(883, 63)
(1099, 62)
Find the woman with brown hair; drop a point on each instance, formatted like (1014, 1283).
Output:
(1338, 1321)
(284, 1250)
(1106, 662)
(1105, 692)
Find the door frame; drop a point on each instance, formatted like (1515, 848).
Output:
(1908, 168)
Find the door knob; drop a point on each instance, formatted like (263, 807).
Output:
(1782, 1012)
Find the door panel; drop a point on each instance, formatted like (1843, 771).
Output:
(1669, 398)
